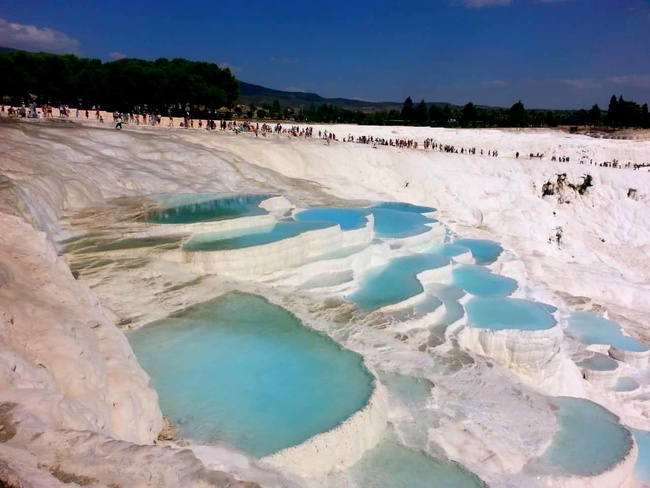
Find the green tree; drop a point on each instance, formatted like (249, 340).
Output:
(435, 114)
(593, 117)
(276, 109)
(469, 115)
(518, 117)
(421, 114)
(408, 111)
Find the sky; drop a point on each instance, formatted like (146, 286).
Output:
(556, 54)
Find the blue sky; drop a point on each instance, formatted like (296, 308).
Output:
(548, 53)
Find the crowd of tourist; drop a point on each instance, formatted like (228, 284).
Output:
(139, 117)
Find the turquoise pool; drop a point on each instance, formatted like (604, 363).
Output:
(347, 218)
(225, 241)
(598, 362)
(399, 224)
(391, 465)
(448, 250)
(480, 281)
(590, 441)
(243, 371)
(507, 313)
(642, 467)
(394, 282)
(590, 328)
(625, 385)
(206, 209)
(483, 251)
(405, 207)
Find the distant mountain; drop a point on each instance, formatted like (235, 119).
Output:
(7, 49)
(259, 95)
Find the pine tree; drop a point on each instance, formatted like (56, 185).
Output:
(593, 117)
(468, 115)
(518, 117)
(421, 114)
(407, 110)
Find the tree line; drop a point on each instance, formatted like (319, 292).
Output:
(204, 87)
(621, 113)
(116, 85)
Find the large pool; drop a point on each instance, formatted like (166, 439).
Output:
(205, 208)
(590, 440)
(394, 282)
(243, 371)
(593, 329)
(225, 241)
(642, 467)
(500, 313)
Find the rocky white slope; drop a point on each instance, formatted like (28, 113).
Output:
(69, 383)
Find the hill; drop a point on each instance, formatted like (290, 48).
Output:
(259, 95)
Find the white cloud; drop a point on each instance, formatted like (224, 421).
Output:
(117, 55)
(295, 89)
(636, 81)
(32, 38)
(233, 69)
(583, 83)
(633, 81)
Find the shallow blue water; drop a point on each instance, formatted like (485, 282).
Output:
(218, 208)
(625, 384)
(391, 465)
(480, 281)
(642, 467)
(507, 313)
(590, 440)
(598, 362)
(399, 224)
(405, 207)
(243, 371)
(590, 328)
(483, 251)
(394, 282)
(223, 241)
(407, 389)
(347, 218)
(448, 250)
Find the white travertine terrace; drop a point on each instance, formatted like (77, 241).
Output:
(79, 390)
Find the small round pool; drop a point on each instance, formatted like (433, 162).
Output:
(598, 362)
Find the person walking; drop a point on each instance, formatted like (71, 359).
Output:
(118, 124)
